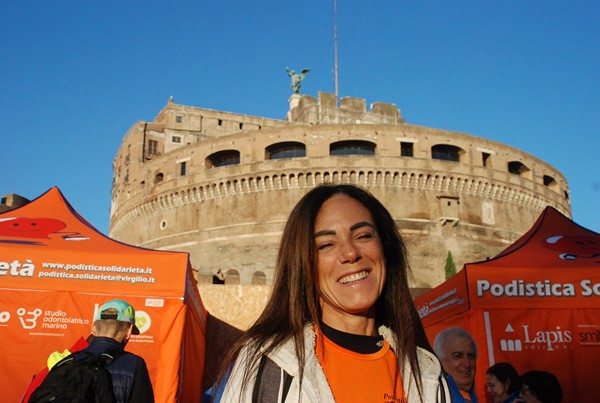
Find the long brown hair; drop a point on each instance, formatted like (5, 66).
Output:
(294, 301)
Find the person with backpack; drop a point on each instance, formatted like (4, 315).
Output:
(114, 325)
(103, 371)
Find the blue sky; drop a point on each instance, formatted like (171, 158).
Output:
(76, 75)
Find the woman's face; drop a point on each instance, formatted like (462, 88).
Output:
(497, 389)
(526, 395)
(350, 261)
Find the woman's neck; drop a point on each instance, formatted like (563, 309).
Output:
(354, 324)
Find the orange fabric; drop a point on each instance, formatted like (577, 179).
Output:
(466, 395)
(355, 377)
(55, 272)
(535, 305)
(448, 299)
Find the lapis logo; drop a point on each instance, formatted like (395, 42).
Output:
(527, 337)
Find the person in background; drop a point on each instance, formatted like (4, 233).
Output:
(340, 324)
(457, 351)
(540, 387)
(113, 326)
(503, 383)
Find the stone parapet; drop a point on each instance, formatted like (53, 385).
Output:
(237, 305)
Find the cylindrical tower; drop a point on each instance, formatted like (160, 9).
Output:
(220, 186)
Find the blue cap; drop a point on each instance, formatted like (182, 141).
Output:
(125, 313)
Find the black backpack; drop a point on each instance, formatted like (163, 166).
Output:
(79, 377)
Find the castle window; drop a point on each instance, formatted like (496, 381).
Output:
(406, 149)
(355, 147)
(176, 139)
(548, 180)
(449, 206)
(182, 168)
(551, 183)
(259, 278)
(159, 177)
(446, 152)
(518, 168)
(178, 119)
(220, 122)
(153, 147)
(485, 159)
(232, 277)
(223, 158)
(285, 150)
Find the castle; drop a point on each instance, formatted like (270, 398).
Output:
(220, 186)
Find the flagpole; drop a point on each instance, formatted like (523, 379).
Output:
(335, 46)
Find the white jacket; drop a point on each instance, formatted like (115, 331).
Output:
(314, 385)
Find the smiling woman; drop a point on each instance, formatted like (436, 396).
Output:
(502, 382)
(350, 265)
(340, 324)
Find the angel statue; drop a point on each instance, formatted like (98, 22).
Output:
(296, 78)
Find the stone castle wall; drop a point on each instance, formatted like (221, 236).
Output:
(209, 185)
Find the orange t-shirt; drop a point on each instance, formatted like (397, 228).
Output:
(355, 377)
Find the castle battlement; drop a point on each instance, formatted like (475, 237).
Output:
(325, 110)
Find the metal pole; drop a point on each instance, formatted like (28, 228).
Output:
(335, 45)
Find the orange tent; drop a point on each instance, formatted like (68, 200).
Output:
(56, 270)
(535, 305)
